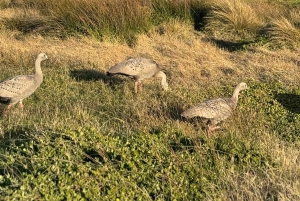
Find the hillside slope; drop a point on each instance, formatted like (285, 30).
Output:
(84, 136)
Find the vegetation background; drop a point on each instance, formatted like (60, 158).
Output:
(84, 136)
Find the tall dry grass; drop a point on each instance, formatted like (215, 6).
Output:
(232, 21)
(119, 20)
(236, 17)
(285, 31)
(272, 23)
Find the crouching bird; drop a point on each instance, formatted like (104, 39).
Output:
(213, 111)
(139, 69)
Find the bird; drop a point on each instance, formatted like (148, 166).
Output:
(213, 111)
(15, 89)
(139, 69)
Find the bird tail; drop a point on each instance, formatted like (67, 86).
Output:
(109, 74)
(5, 100)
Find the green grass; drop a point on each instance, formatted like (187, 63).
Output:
(83, 136)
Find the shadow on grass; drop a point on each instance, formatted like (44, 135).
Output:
(289, 101)
(197, 122)
(184, 143)
(20, 133)
(88, 75)
(94, 75)
(228, 45)
(174, 112)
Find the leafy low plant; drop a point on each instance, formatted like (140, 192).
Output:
(280, 118)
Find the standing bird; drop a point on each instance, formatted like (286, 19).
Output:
(139, 69)
(17, 88)
(213, 111)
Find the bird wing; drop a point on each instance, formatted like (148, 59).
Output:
(131, 67)
(136, 67)
(214, 108)
(16, 85)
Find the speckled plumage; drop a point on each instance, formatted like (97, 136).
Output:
(215, 110)
(139, 69)
(17, 88)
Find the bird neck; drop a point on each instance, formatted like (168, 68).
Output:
(163, 77)
(235, 96)
(38, 70)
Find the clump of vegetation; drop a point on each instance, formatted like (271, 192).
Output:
(113, 19)
(124, 20)
(236, 17)
(243, 21)
(285, 31)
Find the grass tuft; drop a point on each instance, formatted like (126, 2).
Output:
(236, 17)
(118, 20)
(285, 31)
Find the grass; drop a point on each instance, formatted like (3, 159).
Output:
(117, 20)
(236, 17)
(285, 31)
(233, 21)
(85, 136)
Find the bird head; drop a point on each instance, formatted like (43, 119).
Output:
(242, 86)
(42, 56)
(165, 86)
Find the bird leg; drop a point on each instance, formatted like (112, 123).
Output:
(136, 86)
(21, 104)
(210, 128)
(9, 106)
(7, 109)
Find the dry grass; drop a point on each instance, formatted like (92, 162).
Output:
(119, 20)
(285, 31)
(235, 16)
(230, 21)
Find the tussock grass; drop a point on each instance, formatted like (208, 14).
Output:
(259, 21)
(285, 31)
(229, 21)
(121, 20)
(235, 16)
